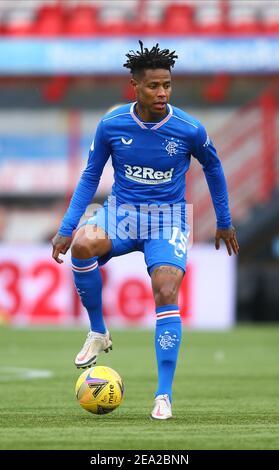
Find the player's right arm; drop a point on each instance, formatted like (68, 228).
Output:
(98, 155)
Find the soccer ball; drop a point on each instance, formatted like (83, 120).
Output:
(99, 390)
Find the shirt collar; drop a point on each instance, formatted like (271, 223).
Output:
(158, 124)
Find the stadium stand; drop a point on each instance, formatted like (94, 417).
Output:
(81, 21)
(89, 18)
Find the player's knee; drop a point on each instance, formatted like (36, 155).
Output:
(80, 249)
(83, 248)
(165, 294)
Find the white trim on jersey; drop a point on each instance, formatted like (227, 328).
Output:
(168, 116)
(116, 115)
(188, 122)
(157, 125)
(134, 116)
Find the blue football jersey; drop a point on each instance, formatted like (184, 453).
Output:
(150, 161)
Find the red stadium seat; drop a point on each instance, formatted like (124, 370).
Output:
(217, 89)
(119, 27)
(177, 19)
(271, 27)
(210, 18)
(55, 90)
(150, 28)
(243, 19)
(17, 22)
(50, 20)
(82, 21)
(270, 18)
(17, 29)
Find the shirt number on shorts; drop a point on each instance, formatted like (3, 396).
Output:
(179, 241)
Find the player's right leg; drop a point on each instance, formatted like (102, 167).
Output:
(91, 247)
(90, 243)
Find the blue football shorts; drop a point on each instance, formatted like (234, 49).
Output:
(161, 235)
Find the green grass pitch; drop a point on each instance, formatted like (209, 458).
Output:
(226, 392)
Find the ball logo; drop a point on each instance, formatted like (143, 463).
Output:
(168, 341)
(97, 386)
(111, 393)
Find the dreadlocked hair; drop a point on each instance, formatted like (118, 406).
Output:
(153, 59)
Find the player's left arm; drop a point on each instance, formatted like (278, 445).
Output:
(229, 237)
(205, 152)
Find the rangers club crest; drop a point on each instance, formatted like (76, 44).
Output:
(172, 146)
(167, 340)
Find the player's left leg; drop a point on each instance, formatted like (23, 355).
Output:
(166, 281)
(166, 263)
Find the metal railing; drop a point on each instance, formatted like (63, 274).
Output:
(247, 147)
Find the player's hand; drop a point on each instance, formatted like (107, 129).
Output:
(60, 244)
(229, 237)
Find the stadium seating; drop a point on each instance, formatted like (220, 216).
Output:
(178, 19)
(270, 17)
(82, 21)
(210, 18)
(49, 20)
(92, 17)
(243, 18)
(17, 22)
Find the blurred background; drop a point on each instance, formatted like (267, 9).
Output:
(61, 68)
